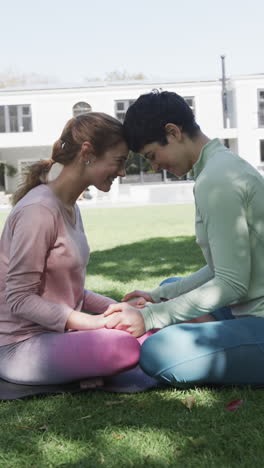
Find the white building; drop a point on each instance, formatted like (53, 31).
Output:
(32, 119)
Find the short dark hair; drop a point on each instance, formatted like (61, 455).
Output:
(146, 118)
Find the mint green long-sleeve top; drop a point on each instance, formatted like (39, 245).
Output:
(229, 200)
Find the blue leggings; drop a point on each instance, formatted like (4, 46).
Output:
(227, 352)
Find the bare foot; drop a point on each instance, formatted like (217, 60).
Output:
(93, 382)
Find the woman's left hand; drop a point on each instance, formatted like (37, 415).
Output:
(125, 317)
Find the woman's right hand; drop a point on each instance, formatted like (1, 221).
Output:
(137, 298)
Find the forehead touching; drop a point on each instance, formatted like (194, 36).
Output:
(147, 149)
(119, 151)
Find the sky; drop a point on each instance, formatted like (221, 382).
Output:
(71, 41)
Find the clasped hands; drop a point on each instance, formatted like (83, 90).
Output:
(126, 316)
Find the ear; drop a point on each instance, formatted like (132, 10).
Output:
(87, 152)
(173, 132)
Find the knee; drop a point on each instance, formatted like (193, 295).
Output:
(158, 362)
(125, 353)
(150, 357)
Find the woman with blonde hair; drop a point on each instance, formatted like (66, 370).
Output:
(46, 335)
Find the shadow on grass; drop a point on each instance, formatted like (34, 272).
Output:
(151, 258)
(155, 429)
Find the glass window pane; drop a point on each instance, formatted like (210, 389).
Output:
(120, 105)
(26, 110)
(262, 150)
(189, 101)
(12, 111)
(2, 119)
(13, 118)
(81, 108)
(261, 107)
(261, 120)
(120, 116)
(27, 124)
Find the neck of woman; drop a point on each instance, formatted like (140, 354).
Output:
(67, 188)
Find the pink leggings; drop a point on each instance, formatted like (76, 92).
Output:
(54, 358)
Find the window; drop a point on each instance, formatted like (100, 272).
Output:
(81, 108)
(121, 108)
(261, 107)
(24, 163)
(191, 102)
(261, 144)
(2, 119)
(15, 119)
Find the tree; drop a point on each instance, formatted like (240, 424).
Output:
(11, 78)
(117, 75)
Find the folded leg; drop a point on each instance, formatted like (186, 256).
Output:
(54, 358)
(221, 352)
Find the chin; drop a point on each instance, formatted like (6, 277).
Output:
(104, 188)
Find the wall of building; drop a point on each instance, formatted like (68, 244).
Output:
(248, 131)
(51, 108)
(13, 156)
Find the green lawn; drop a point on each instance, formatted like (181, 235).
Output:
(135, 247)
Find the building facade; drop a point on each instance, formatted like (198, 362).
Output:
(32, 119)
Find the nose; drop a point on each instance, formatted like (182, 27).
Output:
(122, 172)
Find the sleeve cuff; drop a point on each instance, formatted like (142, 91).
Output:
(60, 326)
(147, 317)
(166, 291)
(155, 294)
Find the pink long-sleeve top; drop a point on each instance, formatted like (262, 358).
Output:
(43, 258)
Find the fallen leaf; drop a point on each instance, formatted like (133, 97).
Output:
(189, 402)
(118, 436)
(234, 405)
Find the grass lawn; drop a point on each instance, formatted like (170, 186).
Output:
(135, 247)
